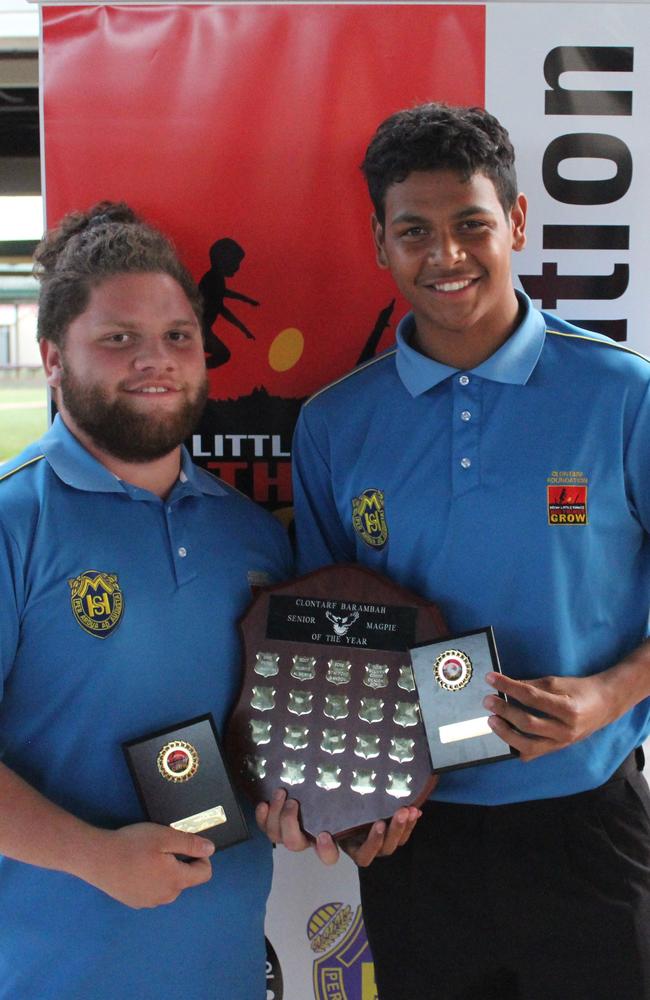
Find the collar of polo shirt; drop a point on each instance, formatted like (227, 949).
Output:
(513, 363)
(78, 468)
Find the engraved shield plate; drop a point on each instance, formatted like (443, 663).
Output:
(339, 725)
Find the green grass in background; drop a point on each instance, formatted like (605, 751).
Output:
(20, 425)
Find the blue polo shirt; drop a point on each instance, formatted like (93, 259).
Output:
(515, 495)
(179, 575)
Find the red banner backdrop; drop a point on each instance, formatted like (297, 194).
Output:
(240, 129)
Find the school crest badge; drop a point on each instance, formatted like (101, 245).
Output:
(97, 602)
(369, 517)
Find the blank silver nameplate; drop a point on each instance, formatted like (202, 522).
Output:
(201, 821)
(464, 730)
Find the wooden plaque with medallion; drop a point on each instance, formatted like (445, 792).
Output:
(328, 707)
(182, 781)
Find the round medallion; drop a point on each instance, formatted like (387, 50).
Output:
(452, 669)
(178, 761)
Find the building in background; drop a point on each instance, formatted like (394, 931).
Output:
(21, 216)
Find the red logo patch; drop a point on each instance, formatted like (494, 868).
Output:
(567, 504)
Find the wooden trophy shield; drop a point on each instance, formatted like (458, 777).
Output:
(328, 708)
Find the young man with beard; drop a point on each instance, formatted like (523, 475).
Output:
(108, 504)
(503, 455)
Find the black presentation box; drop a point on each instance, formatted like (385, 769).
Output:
(182, 781)
(449, 675)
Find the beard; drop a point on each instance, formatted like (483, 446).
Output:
(123, 431)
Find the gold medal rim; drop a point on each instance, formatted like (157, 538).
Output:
(170, 775)
(440, 677)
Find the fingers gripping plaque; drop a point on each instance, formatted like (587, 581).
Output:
(328, 708)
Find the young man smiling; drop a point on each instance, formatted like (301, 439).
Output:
(109, 506)
(129, 389)
(506, 454)
(447, 243)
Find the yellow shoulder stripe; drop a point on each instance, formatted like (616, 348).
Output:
(10, 472)
(355, 371)
(594, 340)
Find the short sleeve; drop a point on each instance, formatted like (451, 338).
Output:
(637, 463)
(11, 601)
(320, 536)
(283, 562)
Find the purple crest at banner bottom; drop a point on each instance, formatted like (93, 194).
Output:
(345, 970)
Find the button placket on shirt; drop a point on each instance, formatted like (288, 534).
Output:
(180, 551)
(465, 432)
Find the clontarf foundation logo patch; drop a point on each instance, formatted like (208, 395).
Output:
(566, 494)
(369, 518)
(97, 602)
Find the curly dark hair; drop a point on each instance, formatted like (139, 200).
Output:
(88, 247)
(438, 136)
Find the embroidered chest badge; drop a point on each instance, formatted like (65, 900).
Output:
(97, 602)
(566, 495)
(369, 518)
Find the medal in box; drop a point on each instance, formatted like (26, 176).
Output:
(450, 678)
(182, 781)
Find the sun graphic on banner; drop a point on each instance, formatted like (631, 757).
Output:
(286, 349)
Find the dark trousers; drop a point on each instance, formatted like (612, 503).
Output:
(543, 900)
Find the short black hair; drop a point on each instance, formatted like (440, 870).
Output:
(88, 247)
(438, 136)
